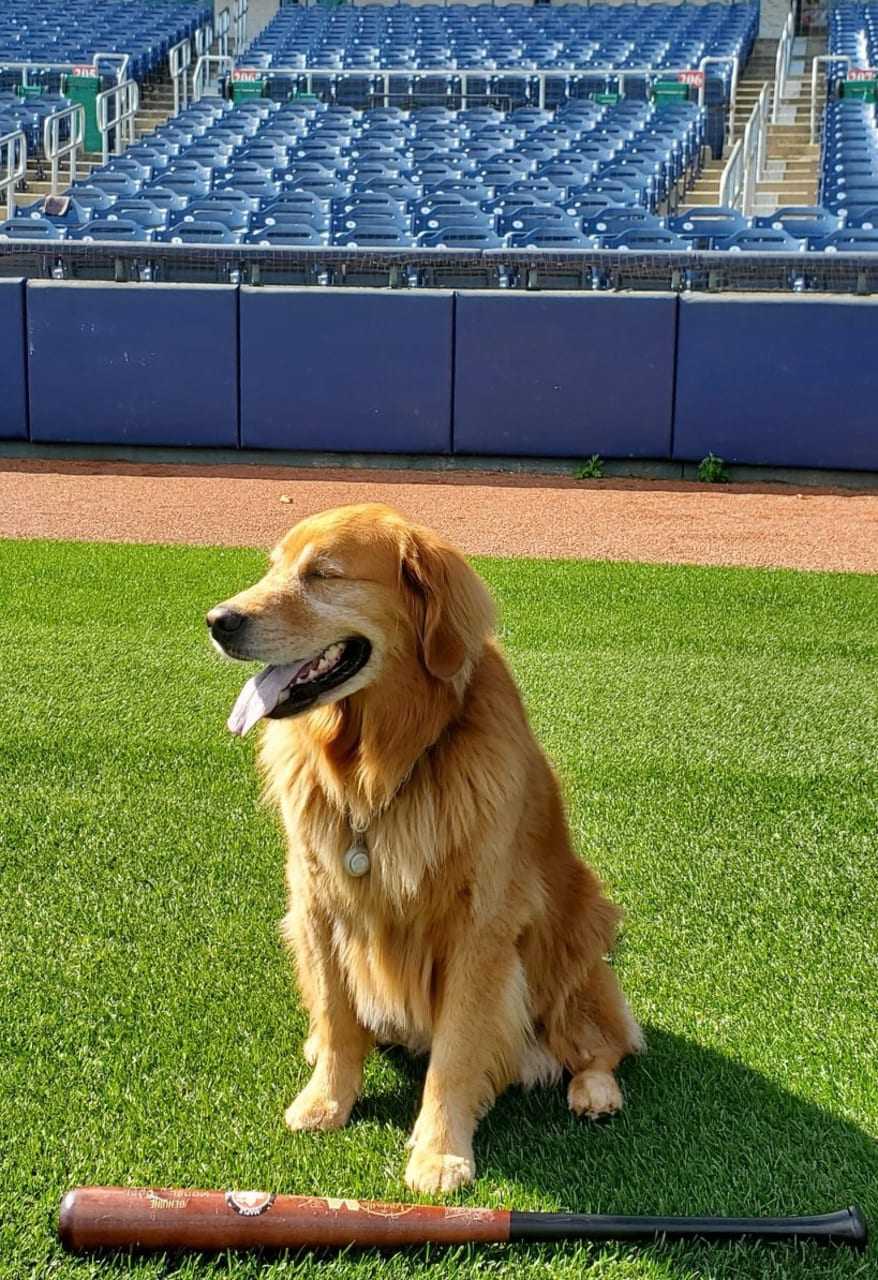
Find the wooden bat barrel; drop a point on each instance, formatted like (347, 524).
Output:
(152, 1218)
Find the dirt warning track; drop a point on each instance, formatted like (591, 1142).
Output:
(484, 513)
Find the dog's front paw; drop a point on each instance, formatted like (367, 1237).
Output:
(594, 1094)
(433, 1171)
(314, 1108)
(311, 1049)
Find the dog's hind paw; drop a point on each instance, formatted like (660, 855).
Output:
(594, 1094)
(434, 1171)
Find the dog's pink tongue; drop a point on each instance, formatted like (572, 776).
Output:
(260, 695)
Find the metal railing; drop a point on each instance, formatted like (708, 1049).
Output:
(746, 163)
(122, 58)
(223, 26)
(69, 121)
(13, 165)
(116, 109)
(239, 21)
(815, 68)
(782, 63)
(542, 75)
(203, 39)
(27, 67)
(203, 73)
(179, 59)
(731, 184)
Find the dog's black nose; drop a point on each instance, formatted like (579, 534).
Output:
(224, 622)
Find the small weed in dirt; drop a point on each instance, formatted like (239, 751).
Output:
(712, 470)
(591, 469)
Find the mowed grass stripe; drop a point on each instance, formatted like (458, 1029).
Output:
(716, 735)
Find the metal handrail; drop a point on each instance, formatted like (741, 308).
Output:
(203, 39)
(822, 57)
(239, 14)
(123, 101)
(13, 165)
(621, 74)
(223, 26)
(746, 162)
(55, 149)
(731, 184)
(782, 62)
(201, 75)
(33, 65)
(179, 58)
(124, 60)
(754, 146)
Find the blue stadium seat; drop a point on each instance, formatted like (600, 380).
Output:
(455, 237)
(30, 229)
(708, 227)
(110, 228)
(140, 209)
(288, 235)
(765, 240)
(198, 233)
(646, 240)
(550, 236)
(850, 240)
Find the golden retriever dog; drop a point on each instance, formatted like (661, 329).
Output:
(435, 900)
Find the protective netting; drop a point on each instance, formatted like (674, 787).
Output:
(454, 269)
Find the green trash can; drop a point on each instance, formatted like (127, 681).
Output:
(247, 90)
(606, 99)
(667, 93)
(860, 90)
(85, 89)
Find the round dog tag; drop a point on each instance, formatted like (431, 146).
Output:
(357, 861)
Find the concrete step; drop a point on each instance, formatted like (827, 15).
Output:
(789, 131)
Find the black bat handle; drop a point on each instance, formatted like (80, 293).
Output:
(846, 1227)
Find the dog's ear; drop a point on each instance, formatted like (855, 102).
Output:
(452, 610)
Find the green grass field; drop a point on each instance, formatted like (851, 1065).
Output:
(717, 734)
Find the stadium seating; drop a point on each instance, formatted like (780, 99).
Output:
(72, 31)
(488, 37)
(849, 160)
(434, 177)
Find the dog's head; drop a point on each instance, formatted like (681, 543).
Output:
(350, 598)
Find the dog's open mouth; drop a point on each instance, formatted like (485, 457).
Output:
(294, 687)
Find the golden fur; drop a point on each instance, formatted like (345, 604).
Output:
(477, 935)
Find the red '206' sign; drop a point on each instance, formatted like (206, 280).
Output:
(693, 78)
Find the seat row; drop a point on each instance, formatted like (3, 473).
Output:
(448, 223)
(849, 159)
(853, 31)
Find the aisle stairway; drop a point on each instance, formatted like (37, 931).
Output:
(156, 106)
(791, 169)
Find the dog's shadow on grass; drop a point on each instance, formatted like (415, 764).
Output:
(699, 1133)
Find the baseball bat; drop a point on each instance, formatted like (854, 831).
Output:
(145, 1218)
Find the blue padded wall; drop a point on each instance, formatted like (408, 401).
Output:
(786, 381)
(364, 370)
(133, 364)
(13, 370)
(564, 374)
